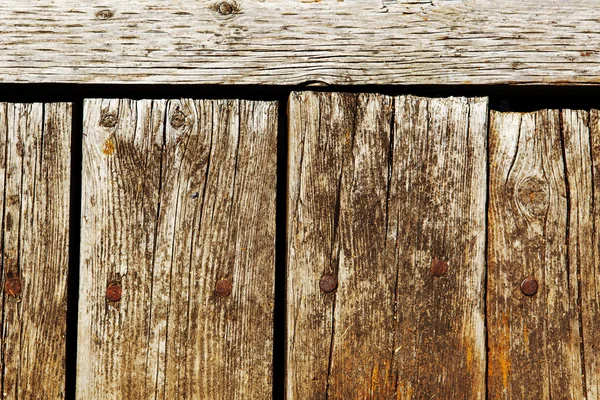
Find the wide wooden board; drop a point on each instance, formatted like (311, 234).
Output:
(383, 194)
(35, 173)
(177, 251)
(300, 41)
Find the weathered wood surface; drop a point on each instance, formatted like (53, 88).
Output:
(296, 42)
(581, 132)
(383, 193)
(536, 230)
(35, 165)
(178, 202)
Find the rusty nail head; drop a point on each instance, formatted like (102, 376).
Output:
(225, 8)
(529, 286)
(12, 286)
(438, 267)
(108, 120)
(114, 291)
(328, 283)
(223, 287)
(177, 119)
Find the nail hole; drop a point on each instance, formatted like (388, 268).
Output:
(105, 14)
(227, 8)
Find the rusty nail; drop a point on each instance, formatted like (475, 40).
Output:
(328, 283)
(438, 267)
(529, 286)
(12, 286)
(225, 8)
(223, 287)
(114, 291)
(108, 120)
(177, 119)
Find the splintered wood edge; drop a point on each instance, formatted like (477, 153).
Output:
(291, 42)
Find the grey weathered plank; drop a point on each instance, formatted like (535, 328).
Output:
(295, 42)
(178, 199)
(374, 204)
(35, 154)
(534, 341)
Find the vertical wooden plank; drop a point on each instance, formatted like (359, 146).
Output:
(582, 151)
(178, 213)
(534, 350)
(35, 142)
(437, 232)
(373, 201)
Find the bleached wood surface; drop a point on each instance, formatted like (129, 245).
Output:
(177, 196)
(35, 170)
(381, 190)
(296, 41)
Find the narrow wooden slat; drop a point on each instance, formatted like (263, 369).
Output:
(178, 199)
(377, 194)
(35, 154)
(582, 151)
(437, 222)
(295, 42)
(534, 341)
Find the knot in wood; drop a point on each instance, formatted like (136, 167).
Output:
(12, 286)
(438, 267)
(105, 14)
(114, 291)
(109, 120)
(529, 286)
(223, 288)
(328, 283)
(226, 8)
(532, 194)
(177, 119)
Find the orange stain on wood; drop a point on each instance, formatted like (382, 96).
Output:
(374, 378)
(470, 358)
(404, 392)
(108, 148)
(499, 354)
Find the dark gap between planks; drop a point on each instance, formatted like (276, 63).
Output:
(502, 98)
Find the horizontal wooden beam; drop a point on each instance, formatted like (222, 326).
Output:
(279, 42)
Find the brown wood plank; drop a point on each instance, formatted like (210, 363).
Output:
(178, 214)
(35, 162)
(582, 151)
(374, 200)
(534, 348)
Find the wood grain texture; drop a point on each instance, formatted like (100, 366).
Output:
(297, 42)
(177, 196)
(582, 152)
(534, 342)
(379, 188)
(35, 163)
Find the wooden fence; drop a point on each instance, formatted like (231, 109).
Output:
(436, 249)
